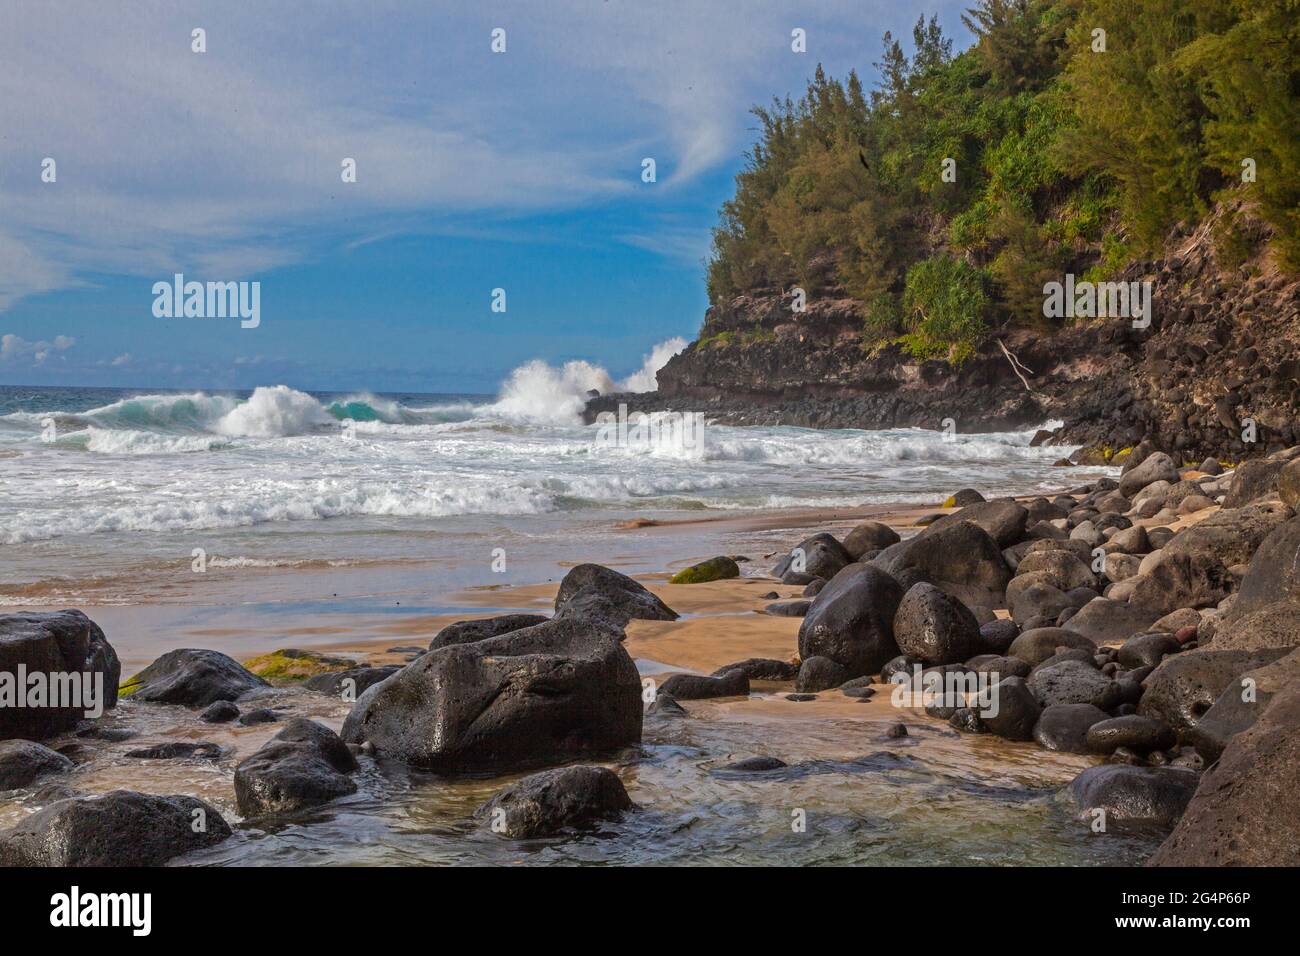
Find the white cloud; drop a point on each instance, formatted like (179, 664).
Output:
(14, 348)
(227, 163)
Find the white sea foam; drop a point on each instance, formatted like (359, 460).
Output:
(272, 412)
(644, 380)
(202, 461)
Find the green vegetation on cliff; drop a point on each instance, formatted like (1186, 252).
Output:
(1066, 150)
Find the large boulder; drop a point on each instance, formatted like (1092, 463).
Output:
(554, 801)
(192, 678)
(591, 590)
(22, 761)
(548, 693)
(120, 828)
(935, 627)
(869, 536)
(1155, 467)
(1240, 704)
(852, 620)
(304, 765)
(1273, 625)
(1184, 687)
(1253, 480)
(960, 558)
(1232, 536)
(63, 648)
(1003, 520)
(1180, 580)
(1274, 572)
(1134, 795)
(1246, 811)
(818, 556)
(466, 632)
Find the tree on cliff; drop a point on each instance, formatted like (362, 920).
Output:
(1073, 136)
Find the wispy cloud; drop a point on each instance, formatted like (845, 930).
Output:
(15, 349)
(228, 162)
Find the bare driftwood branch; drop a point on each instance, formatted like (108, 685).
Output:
(1017, 366)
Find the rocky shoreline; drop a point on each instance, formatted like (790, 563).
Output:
(1149, 624)
(1215, 373)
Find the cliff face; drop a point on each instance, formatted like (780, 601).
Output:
(1223, 347)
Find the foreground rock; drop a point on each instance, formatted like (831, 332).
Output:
(852, 620)
(58, 643)
(1241, 704)
(554, 801)
(23, 761)
(1003, 520)
(1184, 687)
(304, 765)
(960, 558)
(1152, 795)
(1273, 573)
(935, 627)
(594, 591)
(192, 678)
(1246, 811)
(544, 694)
(1273, 625)
(466, 632)
(121, 828)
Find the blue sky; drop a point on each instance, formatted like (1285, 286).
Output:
(475, 170)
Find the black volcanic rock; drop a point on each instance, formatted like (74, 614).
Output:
(60, 642)
(852, 620)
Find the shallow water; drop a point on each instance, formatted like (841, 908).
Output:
(934, 797)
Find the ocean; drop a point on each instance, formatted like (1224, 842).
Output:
(271, 518)
(109, 496)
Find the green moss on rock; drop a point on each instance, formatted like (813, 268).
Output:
(714, 569)
(293, 666)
